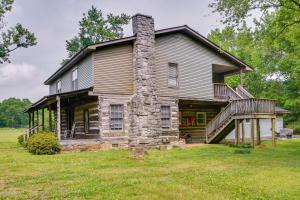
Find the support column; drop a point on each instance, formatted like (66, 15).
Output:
(43, 119)
(50, 118)
(237, 131)
(258, 137)
(29, 122)
(58, 119)
(243, 131)
(252, 133)
(33, 124)
(37, 120)
(241, 77)
(273, 132)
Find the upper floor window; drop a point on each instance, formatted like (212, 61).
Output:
(173, 75)
(58, 86)
(165, 116)
(75, 79)
(116, 117)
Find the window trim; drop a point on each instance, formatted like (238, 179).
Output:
(177, 75)
(74, 82)
(170, 117)
(204, 116)
(110, 117)
(60, 90)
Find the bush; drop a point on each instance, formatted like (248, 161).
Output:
(242, 151)
(297, 130)
(43, 143)
(21, 140)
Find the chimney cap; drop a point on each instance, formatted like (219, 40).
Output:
(143, 15)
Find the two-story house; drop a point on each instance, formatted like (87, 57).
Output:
(150, 88)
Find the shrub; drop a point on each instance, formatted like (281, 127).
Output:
(21, 140)
(43, 143)
(297, 129)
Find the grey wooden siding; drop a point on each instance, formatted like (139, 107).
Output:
(113, 70)
(85, 77)
(194, 66)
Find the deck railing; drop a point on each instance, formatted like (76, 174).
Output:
(240, 107)
(243, 92)
(29, 131)
(224, 91)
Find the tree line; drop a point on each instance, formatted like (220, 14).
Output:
(12, 112)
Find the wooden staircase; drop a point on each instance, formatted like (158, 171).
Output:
(246, 106)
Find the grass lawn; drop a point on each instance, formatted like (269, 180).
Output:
(206, 172)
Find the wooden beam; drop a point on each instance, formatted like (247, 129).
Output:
(43, 119)
(37, 120)
(50, 118)
(237, 131)
(241, 77)
(273, 132)
(58, 118)
(33, 125)
(243, 132)
(258, 136)
(29, 121)
(252, 133)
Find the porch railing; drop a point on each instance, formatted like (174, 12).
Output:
(243, 92)
(29, 131)
(224, 91)
(240, 107)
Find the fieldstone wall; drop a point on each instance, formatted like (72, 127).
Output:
(144, 117)
(104, 103)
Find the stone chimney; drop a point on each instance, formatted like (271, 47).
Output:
(145, 113)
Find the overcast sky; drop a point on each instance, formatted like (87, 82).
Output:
(55, 21)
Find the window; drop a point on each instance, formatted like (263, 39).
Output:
(247, 121)
(75, 79)
(58, 86)
(165, 117)
(116, 117)
(201, 118)
(173, 75)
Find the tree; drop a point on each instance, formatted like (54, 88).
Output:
(94, 28)
(11, 112)
(14, 37)
(271, 46)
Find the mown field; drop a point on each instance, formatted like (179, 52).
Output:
(206, 172)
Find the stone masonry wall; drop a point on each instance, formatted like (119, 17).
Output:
(144, 117)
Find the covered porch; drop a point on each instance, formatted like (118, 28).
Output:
(71, 115)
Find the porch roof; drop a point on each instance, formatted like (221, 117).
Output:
(50, 99)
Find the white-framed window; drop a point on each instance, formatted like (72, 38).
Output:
(173, 75)
(116, 117)
(58, 86)
(75, 79)
(165, 116)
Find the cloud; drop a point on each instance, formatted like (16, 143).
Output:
(12, 74)
(22, 81)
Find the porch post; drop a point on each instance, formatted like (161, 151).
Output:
(237, 131)
(33, 131)
(37, 120)
(252, 133)
(258, 139)
(29, 122)
(243, 131)
(43, 120)
(273, 132)
(50, 118)
(58, 129)
(241, 77)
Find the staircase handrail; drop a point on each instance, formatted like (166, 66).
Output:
(240, 107)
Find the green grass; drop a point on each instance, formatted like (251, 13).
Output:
(206, 172)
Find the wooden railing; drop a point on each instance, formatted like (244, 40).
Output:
(240, 107)
(243, 92)
(224, 91)
(29, 131)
